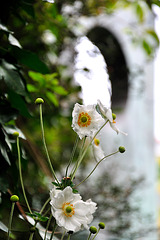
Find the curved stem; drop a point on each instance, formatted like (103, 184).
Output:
(47, 226)
(20, 174)
(45, 204)
(63, 235)
(96, 167)
(72, 155)
(89, 236)
(79, 158)
(83, 154)
(44, 143)
(96, 233)
(69, 235)
(31, 236)
(54, 228)
(10, 219)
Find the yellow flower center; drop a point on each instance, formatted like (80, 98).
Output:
(84, 120)
(68, 209)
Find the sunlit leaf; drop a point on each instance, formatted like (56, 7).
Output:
(52, 98)
(31, 88)
(60, 90)
(36, 76)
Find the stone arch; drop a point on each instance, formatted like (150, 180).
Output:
(116, 63)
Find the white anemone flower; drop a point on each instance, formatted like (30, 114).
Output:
(106, 113)
(86, 120)
(70, 211)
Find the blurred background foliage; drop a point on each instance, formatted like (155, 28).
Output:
(31, 66)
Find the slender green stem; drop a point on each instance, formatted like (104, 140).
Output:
(69, 235)
(84, 152)
(49, 221)
(89, 236)
(45, 204)
(48, 210)
(54, 228)
(33, 231)
(10, 219)
(44, 143)
(20, 174)
(72, 155)
(96, 233)
(96, 167)
(31, 236)
(79, 157)
(63, 235)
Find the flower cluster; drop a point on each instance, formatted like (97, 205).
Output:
(70, 212)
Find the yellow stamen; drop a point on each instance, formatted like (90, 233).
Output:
(68, 209)
(84, 119)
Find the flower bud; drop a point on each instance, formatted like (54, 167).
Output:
(14, 198)
(113, 116)
(101, 225)
(93, 229)
(39, 101)
(96, 141)
(122, 149)
(16, 134)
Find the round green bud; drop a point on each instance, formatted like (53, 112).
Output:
(93, 229)
(113, 116)
(14, 198)
(101, 225)
(39, 101)
(16, 134)
(122, 149)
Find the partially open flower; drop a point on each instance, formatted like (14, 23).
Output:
(70, 211)
(107, 114)
(86, 121)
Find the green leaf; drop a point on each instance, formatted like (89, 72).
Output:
(157, 2)
(147, 47)
(11, 77)
(60, 90)
(36, 76)
(37, 216)
(30, 59)
(153, 34)
(18, 103)
(4, 154)
(31, 88)
(52, 98)
(139, 12)
(7, 113)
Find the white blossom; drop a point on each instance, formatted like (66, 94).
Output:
(70, 211)
(86, 120)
